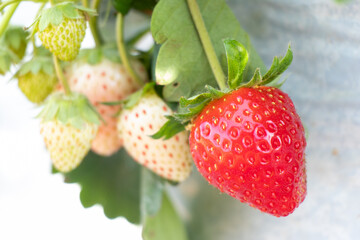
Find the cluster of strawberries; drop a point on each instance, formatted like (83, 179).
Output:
(249, 142)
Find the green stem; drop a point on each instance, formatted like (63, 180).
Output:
(7, 3)
(207, 45)
(122, 50)
(32, 36)
(60, 75)
(7, 16)
(93, 22)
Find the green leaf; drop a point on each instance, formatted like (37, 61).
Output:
(169, 129)
(237, 58)
(182, 64)
(113, 182)
(152, 187)
(122, 6)
(16, 39)
(279, 65)
(165, 225)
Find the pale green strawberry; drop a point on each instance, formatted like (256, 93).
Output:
(68, 125)
(61, 29)
(36, 78)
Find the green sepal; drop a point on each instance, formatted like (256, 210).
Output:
(56, 14)
(191, 107)
(237, 59)
(94, 56)
(134, 98)
(172, 127)
(73, 109)
(37, 64)
(254, 81)
(278, 66)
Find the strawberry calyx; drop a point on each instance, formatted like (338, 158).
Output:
(95, 55)
(134, 98)
(55, 15)
(39, 63)
(237, 59)
(73, 109)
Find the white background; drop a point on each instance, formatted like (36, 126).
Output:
(35, 204)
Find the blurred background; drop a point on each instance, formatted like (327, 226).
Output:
(325, 87)
(324, 83)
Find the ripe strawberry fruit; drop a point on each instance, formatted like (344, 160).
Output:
(61, 29)
(170, 158)
(105, 81)
(250, 144)
(68, 125)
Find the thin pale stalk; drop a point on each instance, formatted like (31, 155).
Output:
(206, 43)
(122, 49)
(7, 16)
(60, 75)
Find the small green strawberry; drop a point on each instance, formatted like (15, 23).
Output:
(61, 29)
(68, 124)
(36, 78)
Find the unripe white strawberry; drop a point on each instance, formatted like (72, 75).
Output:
(105, 81)
(68, 125)
(169, 158)
(66, 144)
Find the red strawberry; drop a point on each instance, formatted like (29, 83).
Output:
(250, 144)
(169, 158)
(105, 81)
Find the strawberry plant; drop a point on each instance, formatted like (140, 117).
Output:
(130, 126)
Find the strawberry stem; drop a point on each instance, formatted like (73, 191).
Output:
(122, 49)
(7, 16)
(60, 75)
(206, 43)
(93, 22)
